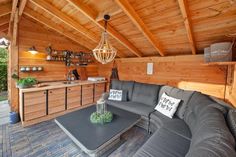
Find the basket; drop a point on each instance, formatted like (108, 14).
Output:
(207, 54)
(221, 52)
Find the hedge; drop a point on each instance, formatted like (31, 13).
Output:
(3, 77)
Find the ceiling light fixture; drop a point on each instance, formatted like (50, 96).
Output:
(33, 50)
(104, 52)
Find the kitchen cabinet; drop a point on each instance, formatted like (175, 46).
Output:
(73, 97)
(56, 100)
(87, 94)
(34, 105)
(99, 89)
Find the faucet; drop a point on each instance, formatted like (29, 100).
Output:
(68, 76)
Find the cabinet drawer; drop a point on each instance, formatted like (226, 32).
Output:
(74, 89)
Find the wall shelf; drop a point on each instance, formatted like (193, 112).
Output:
(220, 63)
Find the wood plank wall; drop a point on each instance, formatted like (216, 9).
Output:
(186, 72)
(32, 33)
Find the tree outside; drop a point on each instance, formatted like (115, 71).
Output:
(3, 73)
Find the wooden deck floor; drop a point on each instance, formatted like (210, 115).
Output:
(47, 139)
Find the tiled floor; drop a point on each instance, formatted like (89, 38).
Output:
(47, 139)
(4, 112)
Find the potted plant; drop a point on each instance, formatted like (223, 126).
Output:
(26, 82)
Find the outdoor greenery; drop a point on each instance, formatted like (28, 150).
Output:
(3, 69)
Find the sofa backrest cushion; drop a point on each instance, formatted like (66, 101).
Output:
(123, 85)
(184, 95)
(211, 135)
(196, 105)
(231, 120)
(145, 93)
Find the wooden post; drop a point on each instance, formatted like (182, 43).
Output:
(13, 65)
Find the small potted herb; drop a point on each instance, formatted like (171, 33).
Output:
(26, 82)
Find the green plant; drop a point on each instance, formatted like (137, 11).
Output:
(26, 82)
(3, 69)
(101, 118)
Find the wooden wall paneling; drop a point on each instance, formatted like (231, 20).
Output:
(32, 33)
(231, 87)
(186, 72)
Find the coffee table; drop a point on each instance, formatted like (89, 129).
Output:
(96, 139)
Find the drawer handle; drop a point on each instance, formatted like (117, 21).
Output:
(44, 92)
(50, 92)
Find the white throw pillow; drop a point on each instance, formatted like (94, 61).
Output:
(167, 105)
(115, 95)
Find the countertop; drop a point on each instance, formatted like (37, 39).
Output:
(61, 84)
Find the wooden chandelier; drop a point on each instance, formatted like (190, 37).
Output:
(104, 52)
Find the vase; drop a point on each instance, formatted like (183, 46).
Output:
(101, 107)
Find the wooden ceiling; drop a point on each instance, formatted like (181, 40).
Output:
(137, 28)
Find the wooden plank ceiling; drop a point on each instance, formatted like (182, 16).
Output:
(137, 28)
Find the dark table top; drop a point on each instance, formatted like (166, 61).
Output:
(90, 135)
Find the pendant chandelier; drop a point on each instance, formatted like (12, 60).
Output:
(104, 52)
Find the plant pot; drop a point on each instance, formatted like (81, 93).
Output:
(14, 117)
(23, 86)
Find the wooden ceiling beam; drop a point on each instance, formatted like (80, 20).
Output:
(22, 7)
(13, 9)
(65, 19)
(48, 23)
(187, 22)
(89, 13)
(138, 22)
(5, 9)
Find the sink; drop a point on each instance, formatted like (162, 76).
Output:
(69, 82)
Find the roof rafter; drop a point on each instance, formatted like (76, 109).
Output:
(187, 22)
(22, 6)
(43, 20)
(69, 21)
(64, 18)
(131, 13)
(89, 13)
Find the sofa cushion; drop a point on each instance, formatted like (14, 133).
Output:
(123, 85)
(175, 125)
(211, 136)
(138, 108)
(184, 95)
(197, 104)
(128, 86)
(145, 93)
(164, 143)
(231, 120)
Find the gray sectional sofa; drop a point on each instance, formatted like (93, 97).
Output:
(198, 129)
